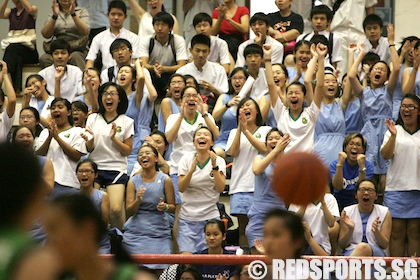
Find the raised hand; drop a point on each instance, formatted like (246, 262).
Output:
(361, 160)
(282, 143)
(242, 122)
(59, 72)
(307, 230)
(52, 129)
(267, 50)
(113, 131)
(361, 48)
(342, 156)
(391, 33)
(375, 225)
(321, 49)
(140, 193)
(259, 246)
(352, 47)
(391, 126)
(55, 7)
(161, 207)
(213, 158)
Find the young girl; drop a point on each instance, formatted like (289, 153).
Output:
(64, 145)
(215, 233)
(376, 101)
(140, 104)
(244, 144)
(110, 145)
(92, 82)
(302, 56)
(222, 113)
(400, 146)
(171, 104)
(87, 172)
(202, 177)
(79, 111)
(36, 95)
(265, 198)
(149, 195)
(292, 117)
(30, 118)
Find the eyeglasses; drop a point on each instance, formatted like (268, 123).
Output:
(409, 107)
(87, 171)
(112, 93)
(239, 78)
(383, 70)
(355, 144)
(148, 153)
(28, 117)
(180, 83)
(369, 190)
(191, 96)
(122, 49)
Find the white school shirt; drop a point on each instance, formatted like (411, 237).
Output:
(45, 112)
(260, 86)
(146, 25)
(243, 179)
(202, 6)
(212, 72)
(183, 143)
(314, 216)
(336, 52)
(105, 154)
(200, 198)
(349, 17)
(219, 50)
(382, 50)
(302, 130)
(102, 42)
(276, 56)
(403, 171)
(64, 167)
(6, 124)
(71, 83)
(163, 53)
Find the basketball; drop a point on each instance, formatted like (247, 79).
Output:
(300, 178)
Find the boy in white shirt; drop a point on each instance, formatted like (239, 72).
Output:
(219, 50)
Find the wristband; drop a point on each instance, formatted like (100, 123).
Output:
(54, 17)
(227, 105)
(166, 207)
(338, 165)
(267, 60)
(392, 45)
(73, 14)
(216, 168)
(205, 114)
(363, 170)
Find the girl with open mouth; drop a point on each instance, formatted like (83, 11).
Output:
(63, 144)
(401, 145)
(141, 96)
(149, 195)
(244, 144)
(376, 105)
(109, 145)
(201, 179)
(91, 81)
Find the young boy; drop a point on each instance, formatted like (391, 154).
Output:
(121, 51)
(71, 81)
(373, 26)
(117, 13)
(259, 25)
(253, 57)
(163, 53)
(321, 17)
(211, 76)
(219, 50)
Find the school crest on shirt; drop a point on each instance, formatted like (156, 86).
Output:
(67, 135)
(119, 129)
(258, 135)
(212, 174)
(304, 121)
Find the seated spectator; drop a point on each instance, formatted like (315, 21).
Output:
(92, 82)
(260, 25)
(70, 83)
(30, 118)
(253, 54)
(321, 17)
(350, 168)
(79, 112)
(121, 51)
(20, 44)
(365, 227)
(231, 23)
(7, 105)
(70, 23)
(100, 47)
(37, 96)
(301, 57)
(190, 9)
(210, 75)
(285, 26)
(145, 19)
(219, 51)
(162, 53)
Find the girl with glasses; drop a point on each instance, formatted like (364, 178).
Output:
(402, 196)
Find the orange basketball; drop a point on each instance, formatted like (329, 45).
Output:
(300, 178)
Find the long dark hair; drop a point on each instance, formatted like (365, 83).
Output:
(234, 71)
(68, 106)
(258, 119)
(416, 100)
(122, 105)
